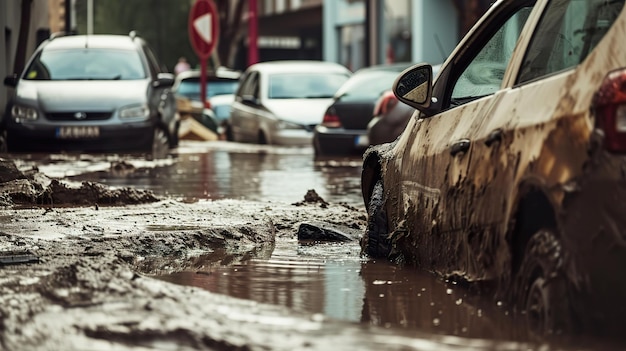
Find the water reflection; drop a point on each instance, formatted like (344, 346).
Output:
(216, 170)
(333, 280)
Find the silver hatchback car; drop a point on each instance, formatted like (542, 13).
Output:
(281, 102)
(96, 93)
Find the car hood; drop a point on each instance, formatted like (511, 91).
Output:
(301, 111)
(82, 95)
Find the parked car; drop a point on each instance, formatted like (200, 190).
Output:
(221, 85)
(390, 117)
(97, 93)
(280, 102)
(512, 171)
(343, 130)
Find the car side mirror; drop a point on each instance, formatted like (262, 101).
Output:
(11, 81)
(164, 80)
(414, 86)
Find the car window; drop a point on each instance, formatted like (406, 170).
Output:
(566, 33)
(152, 60)
(86, 64)
(367, 85)
(484, 74)
(250, 85)
(304, 85)
(190, 88)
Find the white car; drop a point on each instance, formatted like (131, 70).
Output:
(281, 102)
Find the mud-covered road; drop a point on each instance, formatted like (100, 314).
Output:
(79, 260)
(87, 286)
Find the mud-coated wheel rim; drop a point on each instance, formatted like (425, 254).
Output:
(160, 144)
(538, 304)
(375, 242)
(540, 286)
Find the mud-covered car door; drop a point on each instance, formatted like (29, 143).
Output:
(437, 191)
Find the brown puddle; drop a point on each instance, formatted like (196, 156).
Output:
(332, 279)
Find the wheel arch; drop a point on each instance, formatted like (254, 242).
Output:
(534, 210)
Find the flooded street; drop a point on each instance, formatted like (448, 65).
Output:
(329, 279)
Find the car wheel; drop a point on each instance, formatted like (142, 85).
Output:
(540, 285)
(160, 144)
(3, 142)
(228, 133)
(375, 242)
(175, 140)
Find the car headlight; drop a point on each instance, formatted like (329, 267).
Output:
(288, 125)
(24, 112)
(135, 111)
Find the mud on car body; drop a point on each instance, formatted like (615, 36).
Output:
(512, 169)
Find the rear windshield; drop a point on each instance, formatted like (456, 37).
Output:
(367, 85)
(86, 64)
(304, 85)
(190, 88)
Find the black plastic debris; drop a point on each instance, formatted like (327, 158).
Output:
(17, 257)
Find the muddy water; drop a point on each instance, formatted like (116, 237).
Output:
(330, 279)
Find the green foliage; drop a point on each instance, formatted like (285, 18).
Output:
(162, 23)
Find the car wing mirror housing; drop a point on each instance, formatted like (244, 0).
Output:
(11, 81)
(414, 86)
(164, 80)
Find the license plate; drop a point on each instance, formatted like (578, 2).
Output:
(78, 132)
(361, 140)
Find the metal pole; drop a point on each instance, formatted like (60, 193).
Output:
(68, 16)
(253, 33)
(89, 16)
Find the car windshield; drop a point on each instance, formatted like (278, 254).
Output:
(86, 64)
(304, 85)
(367, 85)
(190, 88)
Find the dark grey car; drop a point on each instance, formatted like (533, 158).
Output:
(97, 93)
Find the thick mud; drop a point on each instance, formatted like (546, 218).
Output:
(76, 272)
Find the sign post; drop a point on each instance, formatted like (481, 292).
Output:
(203, 30)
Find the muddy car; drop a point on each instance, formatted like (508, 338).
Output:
(512, 171)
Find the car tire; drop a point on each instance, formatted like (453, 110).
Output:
(375, 242)
(175, 139)
(3, 142)
(228, 132)
(160, 144)
(541, 290)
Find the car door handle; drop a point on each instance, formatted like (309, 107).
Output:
(460, 146)
(494, 136)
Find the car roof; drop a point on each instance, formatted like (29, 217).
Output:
(394, 67)
(100, 41)
(290, 66)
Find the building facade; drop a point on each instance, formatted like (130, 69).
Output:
(14, 51)
(360, 33)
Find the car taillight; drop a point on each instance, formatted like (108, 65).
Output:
(385, 103)
(207, 103)
(331, 120)
(609, 103)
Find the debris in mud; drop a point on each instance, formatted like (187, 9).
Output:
(17, 257)
(311, 197)
(321, 231)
